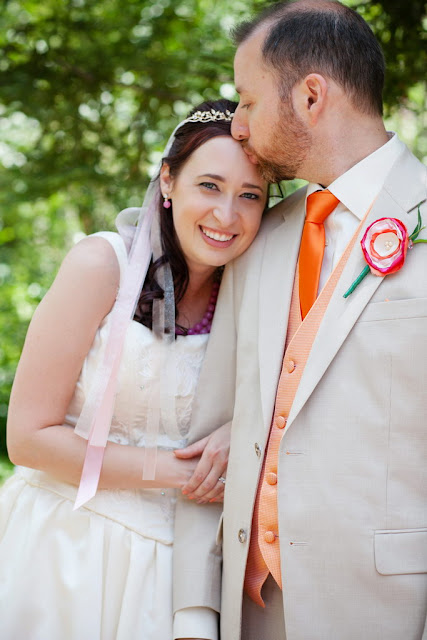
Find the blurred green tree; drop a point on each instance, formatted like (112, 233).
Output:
(89, 92)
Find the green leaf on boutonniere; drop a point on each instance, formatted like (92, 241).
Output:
(416, 232)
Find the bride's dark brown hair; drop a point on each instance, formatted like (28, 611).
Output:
(188, 138)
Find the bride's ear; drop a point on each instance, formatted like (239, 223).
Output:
(166, 180)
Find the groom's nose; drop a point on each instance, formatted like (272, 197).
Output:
(239, 128)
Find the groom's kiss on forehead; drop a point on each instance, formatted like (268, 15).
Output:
(271, 132)
(310, 97)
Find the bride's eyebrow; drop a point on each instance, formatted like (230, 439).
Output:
(215, 176)
(248, 185)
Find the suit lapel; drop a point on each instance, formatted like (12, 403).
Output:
(394, 201)
(276, 282)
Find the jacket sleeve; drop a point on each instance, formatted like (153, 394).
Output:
(197, 551)
(197, 556)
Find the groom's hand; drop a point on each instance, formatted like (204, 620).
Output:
(204, 485)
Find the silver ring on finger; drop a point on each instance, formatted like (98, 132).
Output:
(221, 479)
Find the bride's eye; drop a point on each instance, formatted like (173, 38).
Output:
(209, 185)
(250, 196)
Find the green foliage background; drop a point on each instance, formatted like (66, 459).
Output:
(89, 92)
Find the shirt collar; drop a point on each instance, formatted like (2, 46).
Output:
(358, 187)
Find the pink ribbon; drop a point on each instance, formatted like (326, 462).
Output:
(98, 409)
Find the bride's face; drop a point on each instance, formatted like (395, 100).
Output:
(217, 199)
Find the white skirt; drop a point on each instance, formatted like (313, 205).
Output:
(77, 575)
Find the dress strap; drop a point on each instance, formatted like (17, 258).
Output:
(119, 247)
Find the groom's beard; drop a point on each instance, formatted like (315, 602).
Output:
(287, 147)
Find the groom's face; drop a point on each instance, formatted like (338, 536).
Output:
(270, 131)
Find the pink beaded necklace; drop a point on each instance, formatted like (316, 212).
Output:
(205, 324)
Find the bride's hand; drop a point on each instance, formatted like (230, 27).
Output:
(173, 472)
(204, 485)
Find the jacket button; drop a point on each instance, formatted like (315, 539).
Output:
(280, 422)
(242, 536)
(257, 449)
(271, 478)
(269, 536)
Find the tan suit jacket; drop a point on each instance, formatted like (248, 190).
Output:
(352, 490)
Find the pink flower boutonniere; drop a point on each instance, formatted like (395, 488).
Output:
(384, 247)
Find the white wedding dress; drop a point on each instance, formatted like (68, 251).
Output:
(103, 572)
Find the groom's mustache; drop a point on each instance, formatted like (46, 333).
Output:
(249, 152)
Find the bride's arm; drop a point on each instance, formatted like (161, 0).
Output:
(58, 340)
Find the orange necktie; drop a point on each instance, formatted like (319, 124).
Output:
(319, 205)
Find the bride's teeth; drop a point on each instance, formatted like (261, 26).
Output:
(221, 237)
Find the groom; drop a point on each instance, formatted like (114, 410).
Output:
(325, 521)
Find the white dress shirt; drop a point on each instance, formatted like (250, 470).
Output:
(356, 190)
(196, 622)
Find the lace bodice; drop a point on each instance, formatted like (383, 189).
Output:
(138, 382)
(142, 370)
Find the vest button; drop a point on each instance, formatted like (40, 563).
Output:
(242, 536)
(290, 366)
(257, 449)
(269, 536)
(271, 478)
(280, 422)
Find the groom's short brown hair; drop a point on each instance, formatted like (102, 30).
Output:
(321, 36)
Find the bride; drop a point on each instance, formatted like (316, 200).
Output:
(95, 562)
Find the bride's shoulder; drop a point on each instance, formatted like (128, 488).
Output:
(93, 254)
(89, 274)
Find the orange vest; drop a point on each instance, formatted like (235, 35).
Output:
(264, 550)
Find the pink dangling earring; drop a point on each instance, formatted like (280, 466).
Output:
(166, 203)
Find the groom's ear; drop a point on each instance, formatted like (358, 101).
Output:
(309, 97)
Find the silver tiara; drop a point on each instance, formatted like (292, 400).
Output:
(209, 116)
